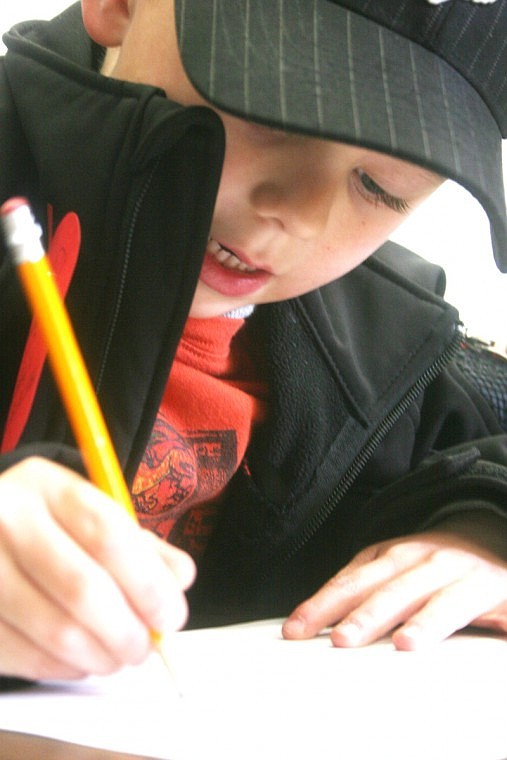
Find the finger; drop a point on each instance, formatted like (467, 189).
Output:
(178, 561)
(369, 570)
(83, 617)
(108, 534)
(22, 658)
(44, 629)
(454, 607)
(96, 606)
(343, 593)
(127, 553)
(494, 620)
(400, 597)
(66, 575)
(63, 574)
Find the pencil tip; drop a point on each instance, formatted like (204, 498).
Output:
(159, 644)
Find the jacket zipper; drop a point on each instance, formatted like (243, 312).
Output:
(128, 246)
(374, 441)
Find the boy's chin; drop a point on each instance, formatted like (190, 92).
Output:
(208, 304)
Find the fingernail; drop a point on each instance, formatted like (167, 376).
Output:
(348, 633)
(294, 628)
(410, 637)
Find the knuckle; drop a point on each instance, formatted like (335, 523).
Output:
(363, 619)
(66, 640)
(73, 647)
(151, 600)
(96, 537)
(74, 591)
(450, 557)
(99, 543)
(392, 589)
(40, 666)
(132, 645)
(32, 465)
(35, 471)
(344, 585)
(442, 556)
(396, 555)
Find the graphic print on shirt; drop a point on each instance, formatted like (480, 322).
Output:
(180, 470)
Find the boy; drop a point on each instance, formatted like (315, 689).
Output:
(326, 435)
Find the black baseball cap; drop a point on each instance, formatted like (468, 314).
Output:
(423, 81)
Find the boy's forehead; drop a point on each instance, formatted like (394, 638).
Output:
(396, 76)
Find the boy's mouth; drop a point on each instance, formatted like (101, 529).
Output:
(227, 258)
(230, 273)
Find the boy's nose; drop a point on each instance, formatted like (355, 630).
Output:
(300, 198)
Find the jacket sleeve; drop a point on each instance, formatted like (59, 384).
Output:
(56, 452)
(459, 463)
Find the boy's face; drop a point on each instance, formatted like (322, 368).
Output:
(292, 212)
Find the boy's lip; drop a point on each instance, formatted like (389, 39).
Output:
(231, 281)
(241, 255)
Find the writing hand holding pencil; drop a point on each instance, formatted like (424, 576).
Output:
(90, 590)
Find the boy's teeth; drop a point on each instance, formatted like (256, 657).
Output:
(226, 258)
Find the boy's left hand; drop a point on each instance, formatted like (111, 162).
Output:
(426, 586)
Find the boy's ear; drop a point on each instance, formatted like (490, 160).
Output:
(106, 21)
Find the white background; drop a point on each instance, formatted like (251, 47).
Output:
(450, 229)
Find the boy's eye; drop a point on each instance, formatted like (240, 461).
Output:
(377, 195)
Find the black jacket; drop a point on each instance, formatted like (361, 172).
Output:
(372, 432)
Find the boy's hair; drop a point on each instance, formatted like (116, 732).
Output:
(424, 82)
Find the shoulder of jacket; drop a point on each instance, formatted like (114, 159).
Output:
(401, 262)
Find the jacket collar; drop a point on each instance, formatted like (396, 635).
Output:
(90, 134)
(113, 152)
(381, 327)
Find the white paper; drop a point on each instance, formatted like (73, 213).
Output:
(246, 694)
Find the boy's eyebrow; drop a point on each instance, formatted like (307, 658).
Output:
(418, 170)
(428, 173)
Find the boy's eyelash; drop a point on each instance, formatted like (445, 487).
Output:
(376, 194)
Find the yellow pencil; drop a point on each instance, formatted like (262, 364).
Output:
(72, 378)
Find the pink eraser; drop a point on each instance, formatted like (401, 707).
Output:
(12, 204)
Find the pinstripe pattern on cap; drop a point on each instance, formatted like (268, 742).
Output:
(365, 72)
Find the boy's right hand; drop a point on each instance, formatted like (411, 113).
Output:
(81, 584)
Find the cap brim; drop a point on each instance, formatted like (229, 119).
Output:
(324, 70)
